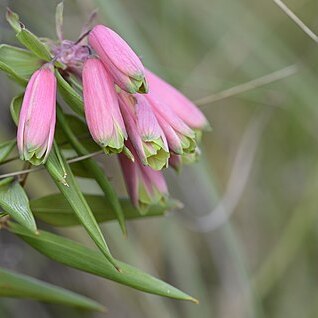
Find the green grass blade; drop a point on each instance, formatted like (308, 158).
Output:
(96, 171)
(55, 210)
(75, 198)
(22, 286)
(77, 256)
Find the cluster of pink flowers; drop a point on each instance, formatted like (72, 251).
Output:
(129, 111)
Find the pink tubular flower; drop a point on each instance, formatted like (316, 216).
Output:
(144, 131)
(180, 104)
(101, 107)
(181, 138)
(37, 116)
(177, 161)
(145, 186)
(119, 59)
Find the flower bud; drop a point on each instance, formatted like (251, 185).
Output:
(181, 138)
(180, 104)
(37, 116)
(119, 59)
(144, 131)
(145, 186)
(101, 107)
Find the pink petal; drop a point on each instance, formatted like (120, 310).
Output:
(126, 103)
(180, 104)
(115, 52)
(147, 123)
(169, 115)
(100, 102)
(37, 116)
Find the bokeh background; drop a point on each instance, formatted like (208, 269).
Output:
(246, 241)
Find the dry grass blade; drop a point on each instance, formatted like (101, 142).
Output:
(248, 86)
(296, 19)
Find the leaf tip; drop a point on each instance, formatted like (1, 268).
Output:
(101, 308)
(194, 300)
(123, 229)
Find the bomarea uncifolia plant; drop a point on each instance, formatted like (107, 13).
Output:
(127, 111)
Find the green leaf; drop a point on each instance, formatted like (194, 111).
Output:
(79, 170)
(92, 166)
(6, 181)
(12, 74)
(22, 286)
(15, 108)
(75, 255)
(34, 44)
(22, 62)
(27, 38)
(5, 149)
(30, 40)
(75, 198)
(55, 210)
(56, 166)
(14, 201)
(71, 97)
(13, 20)
(80, 130)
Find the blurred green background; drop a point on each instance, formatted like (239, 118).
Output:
(245, 242)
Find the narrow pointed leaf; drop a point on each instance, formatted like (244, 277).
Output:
(21, 61)
(5, 149)
(77, 256)
(75, 198)
(14, 201)
(22, 286)
(30, 40)
(34, 44)
(56, 167)
(55, 210)
(96, 171)
(80, 130)
(71, 97)
(13, 20)
(12, 74)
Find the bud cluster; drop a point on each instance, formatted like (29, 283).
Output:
(129, 111)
